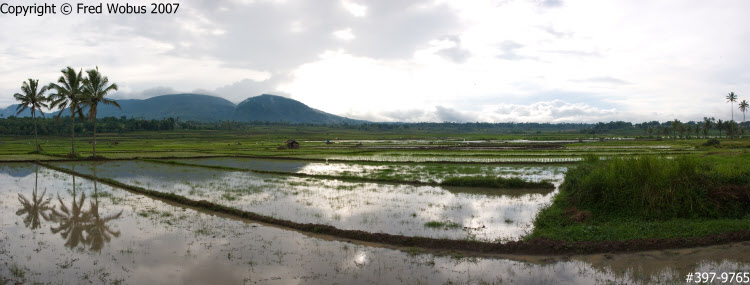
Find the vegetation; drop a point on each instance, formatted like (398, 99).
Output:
(69, 90)
(95, 88)
(494, 182)
(731, 98)
(649, 197)
(32, 97)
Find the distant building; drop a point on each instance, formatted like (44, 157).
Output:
(291, 144)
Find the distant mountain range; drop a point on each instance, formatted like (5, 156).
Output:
(197, 107)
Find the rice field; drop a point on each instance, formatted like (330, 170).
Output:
(374, 207)
(55, 228)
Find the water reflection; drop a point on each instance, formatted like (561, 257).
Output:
(99, 232)
(36, 209)
(83, 227)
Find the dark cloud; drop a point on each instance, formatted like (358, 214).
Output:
(509, 51)
(445, 114)
(550, 3)
(456, 53)
(552, 31)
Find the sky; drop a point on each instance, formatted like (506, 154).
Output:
(410, 60)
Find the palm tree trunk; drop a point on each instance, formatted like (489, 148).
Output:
(72, 132)
(36, 138)
(94, 135)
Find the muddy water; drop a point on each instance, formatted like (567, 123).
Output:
(55, 230)
(424, 173)
(456, 213)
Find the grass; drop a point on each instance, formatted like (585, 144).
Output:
(442, 225)
(649, 197)
(494, 182)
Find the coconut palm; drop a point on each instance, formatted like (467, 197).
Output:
(95, 88)
(69, 91)
(697, 131)
(32, 97)
(743, 108)
(676, 126)
(731, 127)
(685, 131)
(720, 126)
(36, 209)
(707, 122)
(731, 97)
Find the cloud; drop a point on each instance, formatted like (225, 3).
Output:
(404, 58)
(145, 94)
(241, 90)
(509, 50)
(453, 49)
(603, 79)
(554, 111)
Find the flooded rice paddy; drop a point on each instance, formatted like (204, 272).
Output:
(402, 209)
(58, 229)
(407, 172)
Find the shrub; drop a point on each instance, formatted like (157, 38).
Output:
(711, 142)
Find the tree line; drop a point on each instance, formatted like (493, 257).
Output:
(23, 126)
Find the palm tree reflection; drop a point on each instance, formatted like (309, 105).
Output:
(36, 209)
(98, 231)
(87, 227)
(71, 220)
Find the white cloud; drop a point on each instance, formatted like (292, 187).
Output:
(344, 34)
(357, 10)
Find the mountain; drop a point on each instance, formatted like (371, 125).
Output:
(268, 107)
(197, 107)
(11, 111)
(187, 107)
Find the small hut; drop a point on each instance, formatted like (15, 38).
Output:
(291, 144)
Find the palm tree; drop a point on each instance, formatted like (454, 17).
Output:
(707, 122)
(95, 88)
(69, 91)
(33, 97)
(720, 126)
(686, 129)
(697, 131)
(731, 127)
(650, 131)
(731, 97)
(743, 108)
(676, 127)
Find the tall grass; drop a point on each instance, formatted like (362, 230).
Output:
(656, 188)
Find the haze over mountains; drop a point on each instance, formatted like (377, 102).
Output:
(197, 107)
